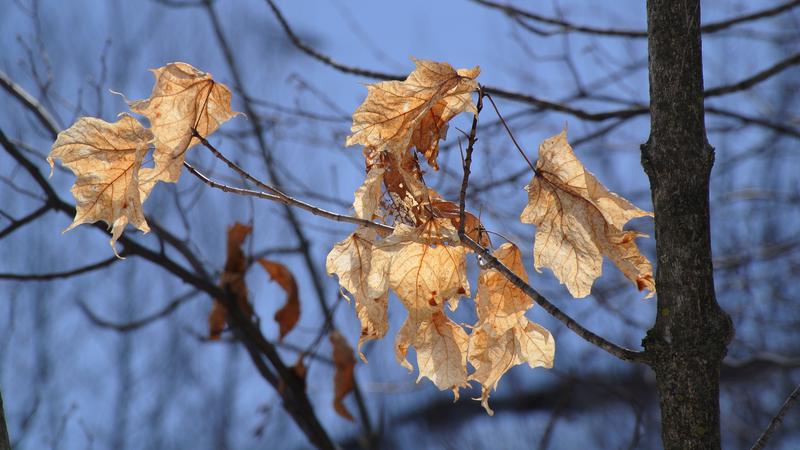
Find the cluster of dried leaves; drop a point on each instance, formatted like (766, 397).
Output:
(109, 159)
(422, 260)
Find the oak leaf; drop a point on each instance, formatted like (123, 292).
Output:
(289, 314)
(351, 260)
(183, 98)
(578, 221)
(344, 365)
(106, 158)
(232, 280)
(399, 114)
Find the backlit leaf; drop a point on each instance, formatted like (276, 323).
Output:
(183, 98)
(106, 158)
(578, 221)
(399, 114)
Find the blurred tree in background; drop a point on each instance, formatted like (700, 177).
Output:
(101, 353)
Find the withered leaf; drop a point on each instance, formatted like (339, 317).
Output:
(232, 280)
(578, 221)
(368, 196)
(499, 303)
(106, 159)
(289, 314)
(424, 274)
(503, 337)
(441, 347)
(344, 365)
(183, 98)
(351, 260)
(493, 355)
(399, 114)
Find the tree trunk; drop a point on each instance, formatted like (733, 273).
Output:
(689, 338)
(5, 443)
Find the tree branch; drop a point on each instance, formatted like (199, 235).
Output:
(19, 223)
(60, 275)
(44, 116)
(567, 27)
(286, 200)
(754, 79)
(138, 323)
(777, 420)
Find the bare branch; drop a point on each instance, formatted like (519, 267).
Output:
(44, 116)
(5, 442)
(751, 81)
(139, 323)
(777, 420)
(60, 275)
(19, 223)
(286, 200)
(566, 27)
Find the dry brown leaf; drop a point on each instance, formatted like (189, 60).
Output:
(499, 303)
(183, 98)
(399, 114)
(493, 354)
(423, 275)
(343, 381)
(368, 195)
(289, 314)
(350, 260)
(232, 280)
(441, 347)
(503, 337)
(106, 159)
(578, 221)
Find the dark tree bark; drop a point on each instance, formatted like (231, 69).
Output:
(5, 443)
(690, 336)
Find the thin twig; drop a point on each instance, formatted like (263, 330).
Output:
(138, 323)
(467, 164)
(60, 275)
(751, 81)
(44, 116)
(777, 420)
(18, 223)
(570, 27)
(510, 134)
(286, 200)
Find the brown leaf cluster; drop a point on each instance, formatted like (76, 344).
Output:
(422, 260)
(578, 221)
(109, 159)
(233, 282)
(503, 337)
